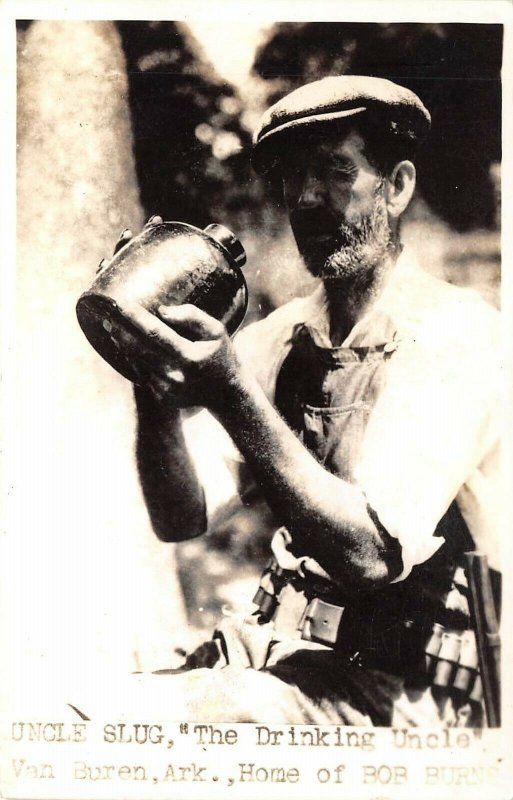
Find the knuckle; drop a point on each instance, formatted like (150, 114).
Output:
(155, 219)
(189, 360)
(193, 360)
(218, 328)
(153, 332)
(164, 311)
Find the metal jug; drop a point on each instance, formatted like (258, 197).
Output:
(168, 263)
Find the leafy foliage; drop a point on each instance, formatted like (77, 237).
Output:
(190, 148)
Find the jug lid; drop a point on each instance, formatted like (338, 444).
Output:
(228, 240)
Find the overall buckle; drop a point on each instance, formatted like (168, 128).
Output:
(320, 622)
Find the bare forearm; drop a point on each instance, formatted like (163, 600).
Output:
(327, 516)
(171, 488)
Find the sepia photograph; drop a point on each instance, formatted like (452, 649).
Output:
(255, 387)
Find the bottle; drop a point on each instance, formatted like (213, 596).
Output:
(169, 263)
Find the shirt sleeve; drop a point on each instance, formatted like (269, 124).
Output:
(216, 460)
(431, 430)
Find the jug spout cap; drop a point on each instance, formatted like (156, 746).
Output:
(229, 241)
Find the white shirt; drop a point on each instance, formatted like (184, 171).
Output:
(433, 434)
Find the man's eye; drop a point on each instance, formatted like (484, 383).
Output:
(339, 171)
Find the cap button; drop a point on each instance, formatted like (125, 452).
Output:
(229, 241)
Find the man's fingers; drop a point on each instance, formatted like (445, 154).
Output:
(156, 219)
(124, 238)
(149, 364)
(191, 322)
(127, 234)
(158, 332)
(135, 347)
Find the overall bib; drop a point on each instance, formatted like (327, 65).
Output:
(374, 673)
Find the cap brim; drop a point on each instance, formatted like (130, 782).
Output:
(265, 151)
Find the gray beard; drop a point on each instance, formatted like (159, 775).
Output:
(364, 247)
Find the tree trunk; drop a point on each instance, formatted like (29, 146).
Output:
(93, 581)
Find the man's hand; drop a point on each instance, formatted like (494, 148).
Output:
(124, 238)
(195, 360)
(188, 353)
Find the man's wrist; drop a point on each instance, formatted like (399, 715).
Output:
(228, 404)
(148, 404)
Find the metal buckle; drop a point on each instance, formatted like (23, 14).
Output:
(272, 582)
(320, 622)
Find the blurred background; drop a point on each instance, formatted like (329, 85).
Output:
(121, 120)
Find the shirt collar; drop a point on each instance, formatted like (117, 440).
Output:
(389, 315)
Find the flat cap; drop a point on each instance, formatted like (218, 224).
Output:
(335, 98)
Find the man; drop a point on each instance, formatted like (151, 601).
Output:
(364, 416)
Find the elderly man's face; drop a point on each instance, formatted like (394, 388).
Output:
(337, 208)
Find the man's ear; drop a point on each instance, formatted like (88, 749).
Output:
(400, 187)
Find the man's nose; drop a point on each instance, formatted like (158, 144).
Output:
(312, 191)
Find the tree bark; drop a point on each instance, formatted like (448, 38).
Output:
(94, 581)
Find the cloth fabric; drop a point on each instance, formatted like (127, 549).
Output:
(247, 673)
(306, 686)
(401, 408)
(432, 435)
